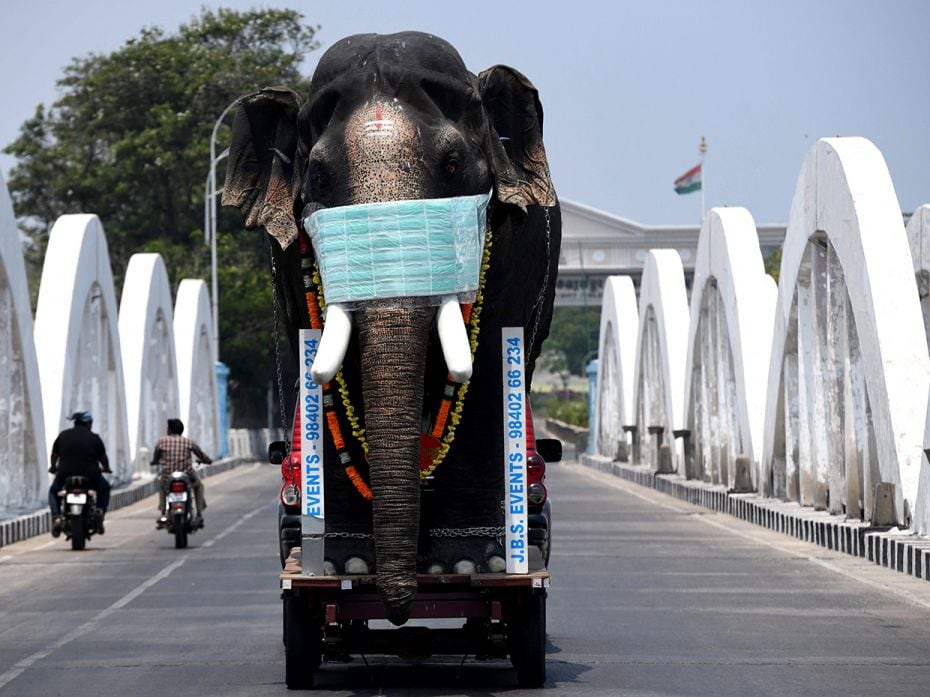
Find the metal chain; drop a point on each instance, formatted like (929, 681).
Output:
(497, 532)
(467, 532)
(342, 535)
(277, 340)
(537, 307)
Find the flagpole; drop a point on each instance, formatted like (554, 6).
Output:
(703, 149)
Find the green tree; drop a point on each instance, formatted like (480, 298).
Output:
(129, 140)
(772, 263)
(574, 334)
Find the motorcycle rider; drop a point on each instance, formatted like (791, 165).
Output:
(173, 452)
(77, 452)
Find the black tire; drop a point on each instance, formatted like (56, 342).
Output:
(528, 640)
(180, 531)
(78, 534)
(303, 644)
(548, 551)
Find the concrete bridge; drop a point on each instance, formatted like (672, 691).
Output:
(131, 365)
(802, 406)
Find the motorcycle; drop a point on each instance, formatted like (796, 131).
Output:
(179, 509)
(80, 515)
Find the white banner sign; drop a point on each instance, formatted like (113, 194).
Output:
(311, 428)
(513, 360)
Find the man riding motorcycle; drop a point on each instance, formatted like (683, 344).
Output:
(78, 451)
(173, 453)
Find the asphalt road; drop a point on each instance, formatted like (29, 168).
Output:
(650, 596)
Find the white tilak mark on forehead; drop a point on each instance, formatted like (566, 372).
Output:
(379, 126)
(381, 130)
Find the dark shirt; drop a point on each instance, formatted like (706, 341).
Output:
(173, 453)
(76, 452)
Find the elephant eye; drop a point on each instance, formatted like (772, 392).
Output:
(319, 181)
(451, 165)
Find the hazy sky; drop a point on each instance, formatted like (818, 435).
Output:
(628, 87)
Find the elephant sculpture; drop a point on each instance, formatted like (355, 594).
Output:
(413, 453)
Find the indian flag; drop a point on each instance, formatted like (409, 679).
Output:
(689, 181)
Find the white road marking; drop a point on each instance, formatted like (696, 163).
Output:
(88, 627)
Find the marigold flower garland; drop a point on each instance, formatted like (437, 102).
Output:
(448, 416)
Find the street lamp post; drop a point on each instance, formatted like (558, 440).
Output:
(209, 228)
(209, 225)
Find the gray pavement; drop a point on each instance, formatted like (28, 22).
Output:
(650, 596)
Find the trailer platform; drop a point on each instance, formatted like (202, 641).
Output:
(329, 618)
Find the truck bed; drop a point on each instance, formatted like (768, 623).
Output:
(538, 577)
(329, 618)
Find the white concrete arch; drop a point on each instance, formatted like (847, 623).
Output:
(77, 341)
(660, 350)
(850, 372)
(616, 361)
(918, 236)
(193, 340)
(146, 332)
(922, 515)
(729, 341)
(23, 455)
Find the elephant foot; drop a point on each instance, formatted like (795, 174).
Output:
(356, 565)
(353, 566)
(465, 556)
(349, 557)
(497, 565)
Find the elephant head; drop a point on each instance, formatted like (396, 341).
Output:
(396, 118)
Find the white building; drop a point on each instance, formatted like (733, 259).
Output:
(596, 245)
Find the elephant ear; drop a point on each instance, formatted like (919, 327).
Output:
(516, 150)
(262, 180)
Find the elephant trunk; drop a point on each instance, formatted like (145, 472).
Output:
(392, 343)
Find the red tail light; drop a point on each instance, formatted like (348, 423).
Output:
(178, 486)
(535, 465)
(290, 468)
(530, 434)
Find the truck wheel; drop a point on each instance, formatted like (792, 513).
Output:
(303, 642)
(528, 640)
(78, 535)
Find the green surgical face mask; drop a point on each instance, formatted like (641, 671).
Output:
(424, 248)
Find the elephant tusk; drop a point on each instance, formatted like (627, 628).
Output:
(454, 339)
(333, 344)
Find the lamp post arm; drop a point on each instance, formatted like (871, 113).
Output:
(211, 190)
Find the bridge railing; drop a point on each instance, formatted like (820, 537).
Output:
(815, 392)
(72, 357)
